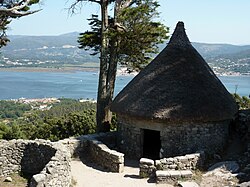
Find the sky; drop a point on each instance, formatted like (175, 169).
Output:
(209, 21)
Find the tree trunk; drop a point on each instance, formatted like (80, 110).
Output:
(113, 59)
(112, 69)
(108, 68)
(103, 115)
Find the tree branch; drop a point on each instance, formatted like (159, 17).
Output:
(16, 13)
(16, 9)
(73, 7)
(125, 3)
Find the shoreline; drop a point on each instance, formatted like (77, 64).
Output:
(51, 69)
(120, 72)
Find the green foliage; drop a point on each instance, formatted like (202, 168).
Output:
(14, 132)
(66, 106)
(33, 2)
(113, 126)
(64, 119)
(4, 22)
(243, 102)
(142, 34)
(91, 40)
(137, 32)
(3, 130)
(10, 109)
(12, 10)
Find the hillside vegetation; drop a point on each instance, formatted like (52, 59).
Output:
(64, 119)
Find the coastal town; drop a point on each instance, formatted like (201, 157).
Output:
(38, 104)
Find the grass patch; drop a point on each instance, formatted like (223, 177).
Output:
(197, 176)
(17, 181)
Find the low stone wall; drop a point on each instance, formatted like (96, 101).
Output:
(103, 156)
(187, 162)
(42, 159)
(100, 154)
(148, 167)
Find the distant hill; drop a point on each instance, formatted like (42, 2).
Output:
(63, 49)
(45, 51)
(225, 58)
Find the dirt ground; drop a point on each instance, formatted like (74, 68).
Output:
(89, 175)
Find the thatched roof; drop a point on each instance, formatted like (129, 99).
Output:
(178, 85)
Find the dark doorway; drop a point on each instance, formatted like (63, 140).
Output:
(151, 144)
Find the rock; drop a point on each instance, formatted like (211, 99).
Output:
(161, 173)
(230, 166)
(39, 177)
(146, 161)
(223, 170)
(244, 184)
(175, 173)
(8, 179)
(188, 184)
(186, 173)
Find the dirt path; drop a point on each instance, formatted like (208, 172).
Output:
(90, 176)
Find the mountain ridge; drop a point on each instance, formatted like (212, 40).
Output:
(24, 50)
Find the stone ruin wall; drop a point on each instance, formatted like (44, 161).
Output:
(98, 151)
(176, 139)
(49, 162)
(42, 159)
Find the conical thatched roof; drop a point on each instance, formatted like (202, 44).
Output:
(177, 85)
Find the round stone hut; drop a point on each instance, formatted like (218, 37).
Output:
(175, 105)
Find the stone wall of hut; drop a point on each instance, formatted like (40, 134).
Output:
(188, 138)
(176, 139)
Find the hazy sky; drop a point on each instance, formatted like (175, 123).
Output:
(211, 21)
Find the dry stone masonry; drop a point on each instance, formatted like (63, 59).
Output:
(147, 168)
(177, 139)
(171, 176)
(169, 170)
(42, 159)
(98, 151)
(187, 162)
(49, 162)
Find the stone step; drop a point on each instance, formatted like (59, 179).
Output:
(164, 176)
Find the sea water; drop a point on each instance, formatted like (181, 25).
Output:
(14, 85)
